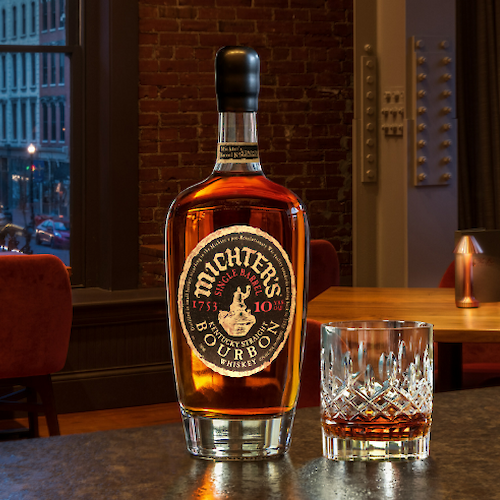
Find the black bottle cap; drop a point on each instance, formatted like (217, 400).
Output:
(237, 82)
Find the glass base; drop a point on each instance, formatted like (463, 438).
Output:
(351, 449)
(251, 438)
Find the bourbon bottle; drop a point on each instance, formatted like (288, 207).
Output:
(237, 264)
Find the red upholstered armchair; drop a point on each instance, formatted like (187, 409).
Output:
(324, 272)
(36, 316)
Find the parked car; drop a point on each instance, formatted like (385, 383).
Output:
(53, 232)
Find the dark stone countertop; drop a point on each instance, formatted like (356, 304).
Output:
(151, 463)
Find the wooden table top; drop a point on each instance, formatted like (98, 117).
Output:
(432, 305)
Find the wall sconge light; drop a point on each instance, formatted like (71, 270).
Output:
(464, 251)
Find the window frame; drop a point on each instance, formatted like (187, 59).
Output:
(103, 133)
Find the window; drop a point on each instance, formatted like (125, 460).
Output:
(33, 18)
(87, 152)
(45, 119)
(53, 122)
(33, 120)
(52, 69)
(45, 69)
(62, 127)
(33, 69)
(14, 22)
(61, 68)
(4, 121)
(52, 14)
(14, 71)
(23, 20)
(23, 69)
(62, 14)
(14, 120)
(44, 16)
(4, 72)
(4, 24)
(23, 121)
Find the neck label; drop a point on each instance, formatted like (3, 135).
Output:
(236, 300)
(238, 152)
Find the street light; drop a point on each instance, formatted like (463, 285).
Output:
(31, 151)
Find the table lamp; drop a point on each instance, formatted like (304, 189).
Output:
(464, 251)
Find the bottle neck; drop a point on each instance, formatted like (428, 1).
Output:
(237, 148)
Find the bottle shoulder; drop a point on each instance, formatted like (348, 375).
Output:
(233, 188)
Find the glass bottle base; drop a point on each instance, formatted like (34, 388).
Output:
(249, 438)
(351, 449)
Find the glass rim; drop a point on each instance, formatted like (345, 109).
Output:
(377, 325)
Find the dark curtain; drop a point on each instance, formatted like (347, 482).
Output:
(478, 111)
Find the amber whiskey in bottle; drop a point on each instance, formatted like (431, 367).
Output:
(236, 264)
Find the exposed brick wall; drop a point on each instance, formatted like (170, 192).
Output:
(305, 105)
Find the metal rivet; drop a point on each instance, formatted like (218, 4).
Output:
(421, 94)
(421, 143)
(370, 158)
(369, 63)
(446, 77)
(446, 60)
(420, 44)
(445, 94)
(421, 60)
(446, 160)
(421, 110)
(370, 174)
(369, 79)
(421, 127)
(446, 144)
(446, 177)
(421, 160)
(369, 95)
(444, 44)
(421, 177)
(370, 127)
(370, 142)
(369, 111)
(368, 48)
(446, 110)
(446, 127)
(421, 77)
